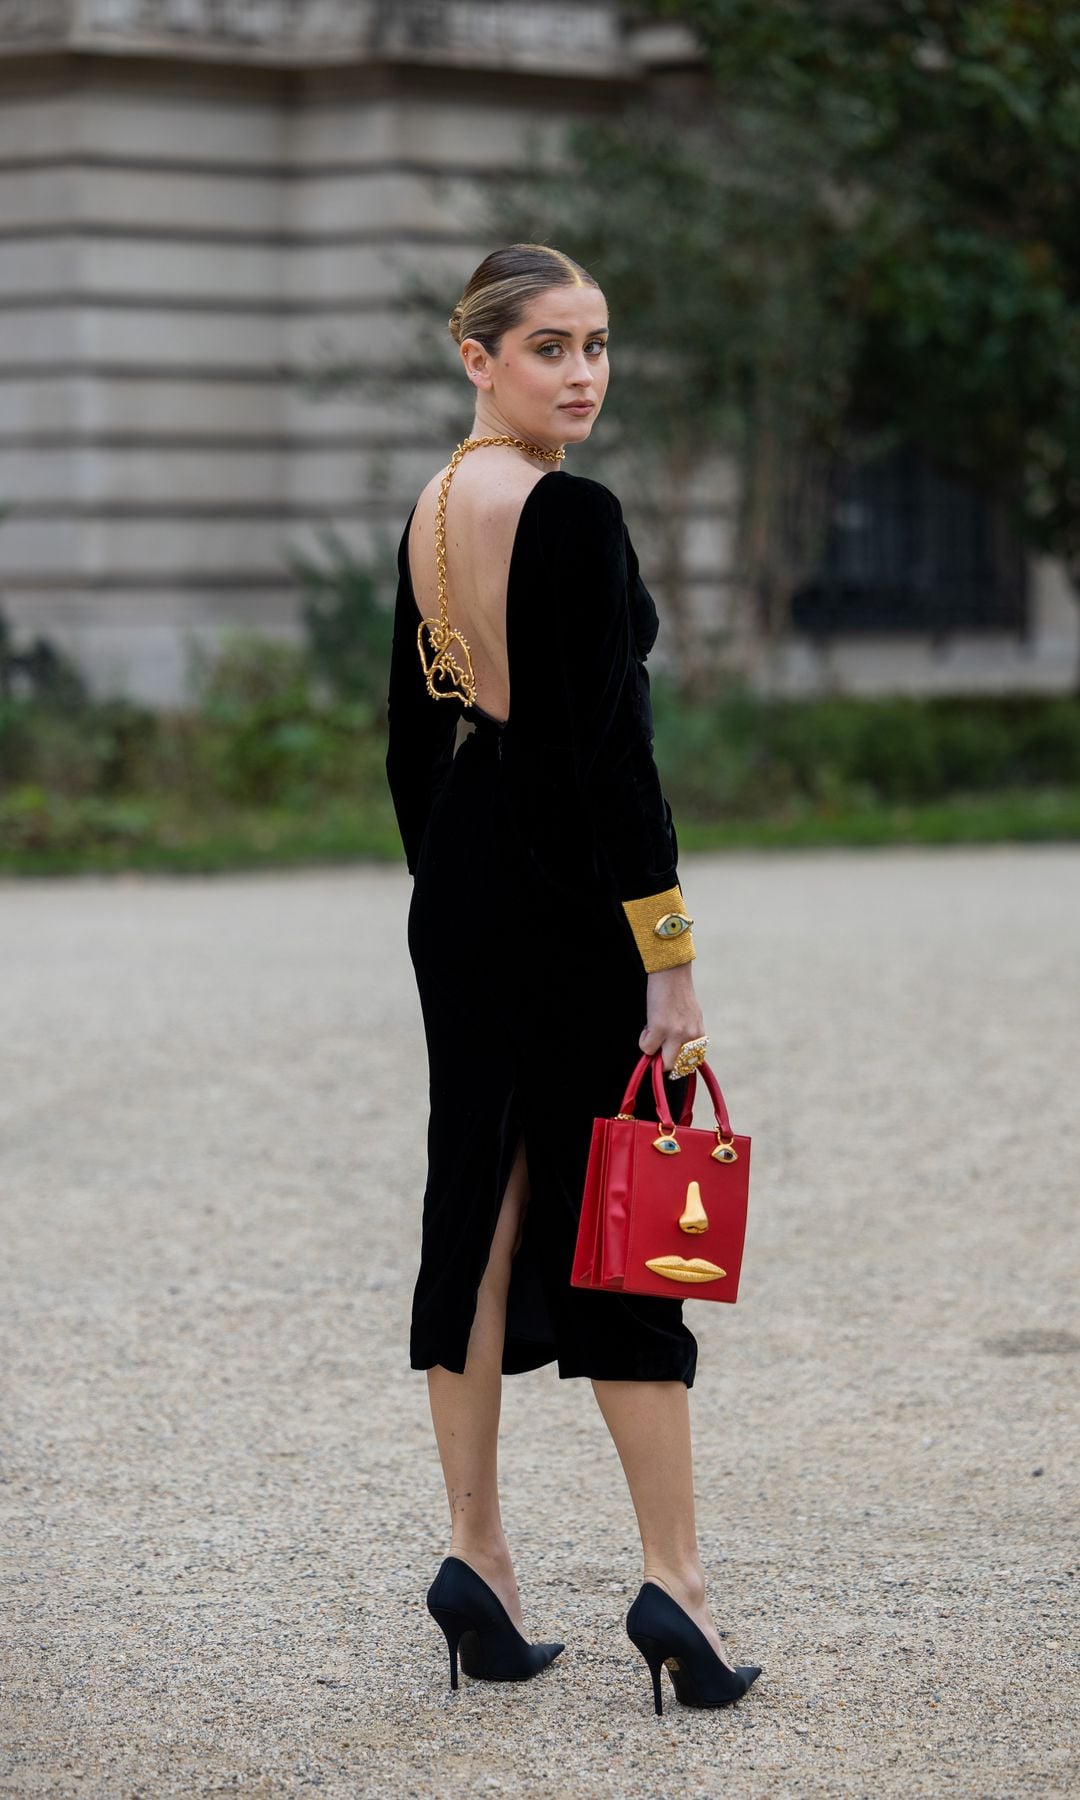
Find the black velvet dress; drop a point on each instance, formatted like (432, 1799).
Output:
(532, 987)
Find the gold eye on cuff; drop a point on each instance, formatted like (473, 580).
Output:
(672, 925)
(661, 925)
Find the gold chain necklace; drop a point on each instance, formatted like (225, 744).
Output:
(442, 663)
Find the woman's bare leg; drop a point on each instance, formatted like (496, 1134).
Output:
(650, 1424)
(465, 1413)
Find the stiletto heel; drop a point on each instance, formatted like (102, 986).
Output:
(452, 1627)
(479, 1630)
(654, 1656)
(668, 1638)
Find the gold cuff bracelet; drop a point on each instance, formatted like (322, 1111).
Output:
(661, 927)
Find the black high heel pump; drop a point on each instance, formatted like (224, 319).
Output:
(667, 1637)
(474, 1620)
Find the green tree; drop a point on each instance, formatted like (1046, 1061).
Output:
(857, 229)
(950, 133)
(710, 242)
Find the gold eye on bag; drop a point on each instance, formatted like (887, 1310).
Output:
(672, 925)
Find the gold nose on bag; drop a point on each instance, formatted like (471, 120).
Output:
(694, 1217)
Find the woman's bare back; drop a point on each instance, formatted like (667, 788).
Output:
(484, 504)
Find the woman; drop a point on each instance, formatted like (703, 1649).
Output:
(543, 854)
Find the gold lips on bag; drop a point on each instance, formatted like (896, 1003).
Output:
(678, 1268)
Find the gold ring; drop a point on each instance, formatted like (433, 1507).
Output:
(687, 1057)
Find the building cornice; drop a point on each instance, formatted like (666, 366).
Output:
(584, 38)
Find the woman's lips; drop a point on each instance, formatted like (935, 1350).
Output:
(578, 406)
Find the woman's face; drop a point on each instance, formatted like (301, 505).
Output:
(547, 382)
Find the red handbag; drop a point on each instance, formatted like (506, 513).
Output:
(664, 1208)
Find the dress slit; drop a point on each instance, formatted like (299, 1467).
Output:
(528, 1338)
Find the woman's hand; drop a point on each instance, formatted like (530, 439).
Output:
(673, 1012)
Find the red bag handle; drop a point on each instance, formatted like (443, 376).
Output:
(663, 1110)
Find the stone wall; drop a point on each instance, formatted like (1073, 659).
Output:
(202, 201)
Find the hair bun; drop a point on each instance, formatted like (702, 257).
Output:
(498, 292)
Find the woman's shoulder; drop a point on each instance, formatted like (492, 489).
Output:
(581, 494)
(581, 517)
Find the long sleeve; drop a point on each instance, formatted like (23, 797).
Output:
(420, 730)
(602, 710)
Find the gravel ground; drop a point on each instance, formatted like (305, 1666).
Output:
(220, 1500)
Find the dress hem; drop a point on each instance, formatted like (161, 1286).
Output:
(568, 1371)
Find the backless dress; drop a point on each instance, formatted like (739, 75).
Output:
(524, 838)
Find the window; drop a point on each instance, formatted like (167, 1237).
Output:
(912, 550)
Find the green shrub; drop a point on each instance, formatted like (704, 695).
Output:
(347, 628)
(85, 749)
(17, 741)
(246, 671)
(271, 756)
(37, 671)
(974, 752)
(1048, 742)
(749, 756)
(265, 735)
(899, 753)
(259, 736)
(31, 819)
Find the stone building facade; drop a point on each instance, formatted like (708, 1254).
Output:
(204, 201)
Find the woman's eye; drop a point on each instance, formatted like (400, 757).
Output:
(595, 347)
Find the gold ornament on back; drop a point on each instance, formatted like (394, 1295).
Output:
(439, 658)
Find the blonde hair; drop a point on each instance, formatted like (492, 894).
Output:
(499, 291)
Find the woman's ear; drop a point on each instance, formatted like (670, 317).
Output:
(477, 363)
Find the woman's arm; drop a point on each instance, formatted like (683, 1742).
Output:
(608, 716)
(602, 706)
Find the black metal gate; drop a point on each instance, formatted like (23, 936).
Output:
(912, 550)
